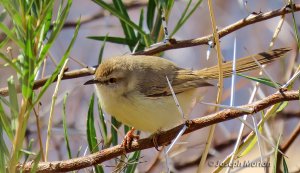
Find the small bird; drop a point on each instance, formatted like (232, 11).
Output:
(134, 89)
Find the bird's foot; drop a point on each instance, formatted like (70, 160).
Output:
(155, 140)
(129, 137)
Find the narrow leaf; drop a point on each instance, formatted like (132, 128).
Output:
(265, 81)
(5, 123)
(114, 132)
(102, 50)
(102, 124)
(133, 161)
(119, 15)
(117, 40)
(284, 165)
(59, 66)
(276, 154)
(66, 136)
(150, 14)
(91, 133)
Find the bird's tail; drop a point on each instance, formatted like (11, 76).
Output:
(243, 64)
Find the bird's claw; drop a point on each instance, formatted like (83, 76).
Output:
(129, 137)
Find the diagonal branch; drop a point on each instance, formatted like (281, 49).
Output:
(162, 138)
(179, 44)
(253, 18)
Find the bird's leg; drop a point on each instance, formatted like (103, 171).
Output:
(155, 139)
(129, 137)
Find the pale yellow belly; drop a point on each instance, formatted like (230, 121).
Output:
(148, 113)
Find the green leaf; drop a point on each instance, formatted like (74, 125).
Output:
(44, 26)
(102, 50)
(4, 42)
(5, 123)
(35, 163)
(284, 165)
(157, 26)
(9, 33)
(150, 14)
(141, 22)
(4, 152)
(91, 133)
(58, 24)
(185, 17)
(265, 81)
(119, 15)
(10, 62)
(170, 4)
(115, 124)
(126, 129)
(12, 104)
(127, 29)
(13, 98)
(103, 128)
(28, 63)
(276, 154)
(295, 26)
(28, 151)
(249, 147)
(3, 15)
(282, 106)
(133, 161)
(59, 66)
(14, 13)
(117, 40)
(250, 144)
(66, 136)
(78, 151)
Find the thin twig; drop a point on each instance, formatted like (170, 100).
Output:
(220, 86)
(291, 139)
(52, 109)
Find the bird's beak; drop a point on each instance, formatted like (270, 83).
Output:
(93, 81)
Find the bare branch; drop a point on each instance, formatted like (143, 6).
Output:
(67, 75)
(253, 18)
(162, 138)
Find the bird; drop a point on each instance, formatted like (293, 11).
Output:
(134, 88)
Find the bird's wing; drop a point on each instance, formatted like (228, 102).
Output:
(182, 80)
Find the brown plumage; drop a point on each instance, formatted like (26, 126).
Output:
(181, 79)
(134, 89)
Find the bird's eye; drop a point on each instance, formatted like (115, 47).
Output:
(112, 80)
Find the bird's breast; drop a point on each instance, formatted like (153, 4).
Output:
(148, 114)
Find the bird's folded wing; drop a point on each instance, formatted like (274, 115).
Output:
(181, 81)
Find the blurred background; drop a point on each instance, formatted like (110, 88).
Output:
(255, 38)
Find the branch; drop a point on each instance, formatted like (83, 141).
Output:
(178, 44)
(253, 18)
(220, 148)
(291, 139)
(67, 75)
(162, 138)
